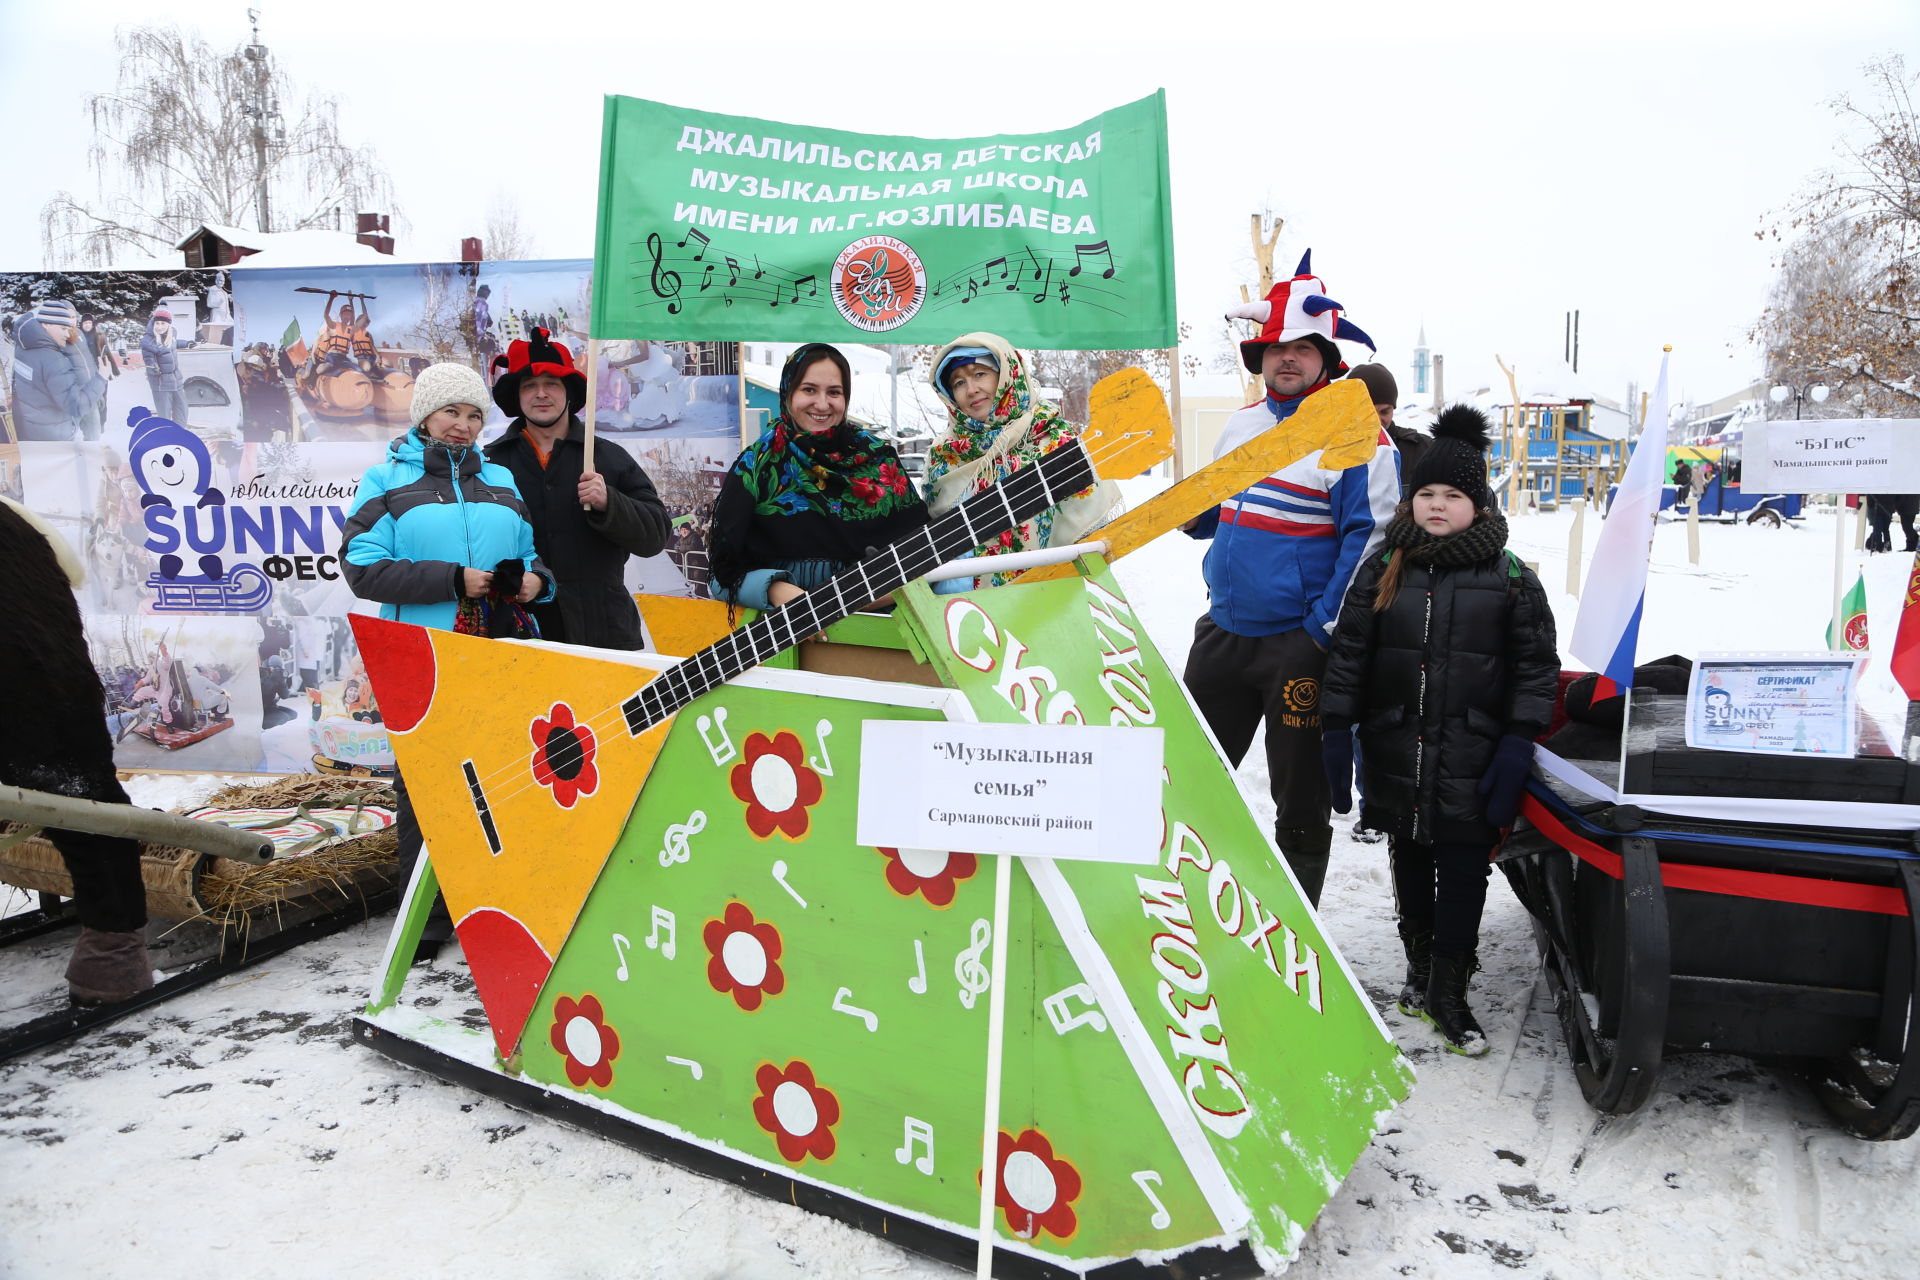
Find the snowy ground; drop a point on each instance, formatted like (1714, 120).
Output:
(237, 1130)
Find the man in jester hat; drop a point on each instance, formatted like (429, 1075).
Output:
(1283, 553)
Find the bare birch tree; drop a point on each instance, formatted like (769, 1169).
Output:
(1845, 309)
(190, 135)
(508, 239)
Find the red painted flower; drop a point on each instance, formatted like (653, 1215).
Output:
(893, 477)
(745, 954)
(868, 491)
(1035, 1187)
(776, 785)
(932, 874)
(581, 1035)
(797, 1112)
(563, 755)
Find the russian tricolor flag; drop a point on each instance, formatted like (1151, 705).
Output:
(1607, 630)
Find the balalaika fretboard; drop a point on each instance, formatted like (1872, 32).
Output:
(1024, 494)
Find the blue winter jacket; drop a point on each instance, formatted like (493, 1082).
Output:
(1285, 549)
(421, 517)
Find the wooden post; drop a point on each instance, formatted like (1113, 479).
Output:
(593, 396)
(1560, 457)
(1516, 432)
(1839, 554)
(1693, 532)
(1573, 546)
(740, 381)
(1263, 266)
(1179, 424)
(1263, 251)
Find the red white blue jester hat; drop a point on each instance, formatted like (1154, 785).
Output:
(1298, 308)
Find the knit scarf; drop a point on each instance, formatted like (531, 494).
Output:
(795, 495)
(1017, 432)
(1478, 541)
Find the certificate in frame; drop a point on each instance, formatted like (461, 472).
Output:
(1775, 703)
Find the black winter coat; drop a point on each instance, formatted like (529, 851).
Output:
(586, 551)
(1463, 656)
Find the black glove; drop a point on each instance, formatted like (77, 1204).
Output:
(1505, 780)
(1336, 754)
(506, 580)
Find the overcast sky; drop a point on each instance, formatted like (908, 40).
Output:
(1479, 167)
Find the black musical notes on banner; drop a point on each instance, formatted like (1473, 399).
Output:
(661, 275)
(1043, 275)
(693, 270)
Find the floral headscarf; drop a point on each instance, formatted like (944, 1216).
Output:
(799, 495)
(1018, 430)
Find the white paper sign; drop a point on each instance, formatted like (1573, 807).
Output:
(1773, 705)
(1834, 455)
(1053, 791)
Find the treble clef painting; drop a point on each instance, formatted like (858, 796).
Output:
(665, 283)
(869, 284)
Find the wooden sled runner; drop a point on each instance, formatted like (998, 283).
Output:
(256, 870)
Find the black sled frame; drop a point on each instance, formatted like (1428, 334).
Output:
(1667, 934)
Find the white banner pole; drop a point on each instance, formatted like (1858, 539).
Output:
(996, 1043)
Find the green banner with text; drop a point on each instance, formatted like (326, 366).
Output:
(728, 228)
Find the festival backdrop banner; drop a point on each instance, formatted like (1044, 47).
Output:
(731, 228)
(199, 437)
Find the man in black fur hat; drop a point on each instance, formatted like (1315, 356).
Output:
(585, 523)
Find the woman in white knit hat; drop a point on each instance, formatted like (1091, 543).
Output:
(439, 536)
(433, 524)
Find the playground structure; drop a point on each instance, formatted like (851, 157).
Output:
(1562, 458)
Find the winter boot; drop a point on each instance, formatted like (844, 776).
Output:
(1447, 1004)
(435, 934)
(1413, 992)
(107, 968)
(1366, 834)
(1307, 851)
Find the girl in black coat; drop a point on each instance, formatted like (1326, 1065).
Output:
(1445, 663)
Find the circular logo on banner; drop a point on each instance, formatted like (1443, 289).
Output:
(878, 283)
(1857, 631)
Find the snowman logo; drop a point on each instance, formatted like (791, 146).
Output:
(175, 470)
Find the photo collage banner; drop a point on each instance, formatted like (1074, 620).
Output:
(198, 437)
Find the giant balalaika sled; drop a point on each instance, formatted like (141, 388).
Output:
(678, 941)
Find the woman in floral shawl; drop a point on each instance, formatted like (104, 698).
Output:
(808, 498)
(996, 426)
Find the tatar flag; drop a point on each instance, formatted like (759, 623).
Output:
(1849, 629)
(1607, 630)
(1906, 642)
(293, 344)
